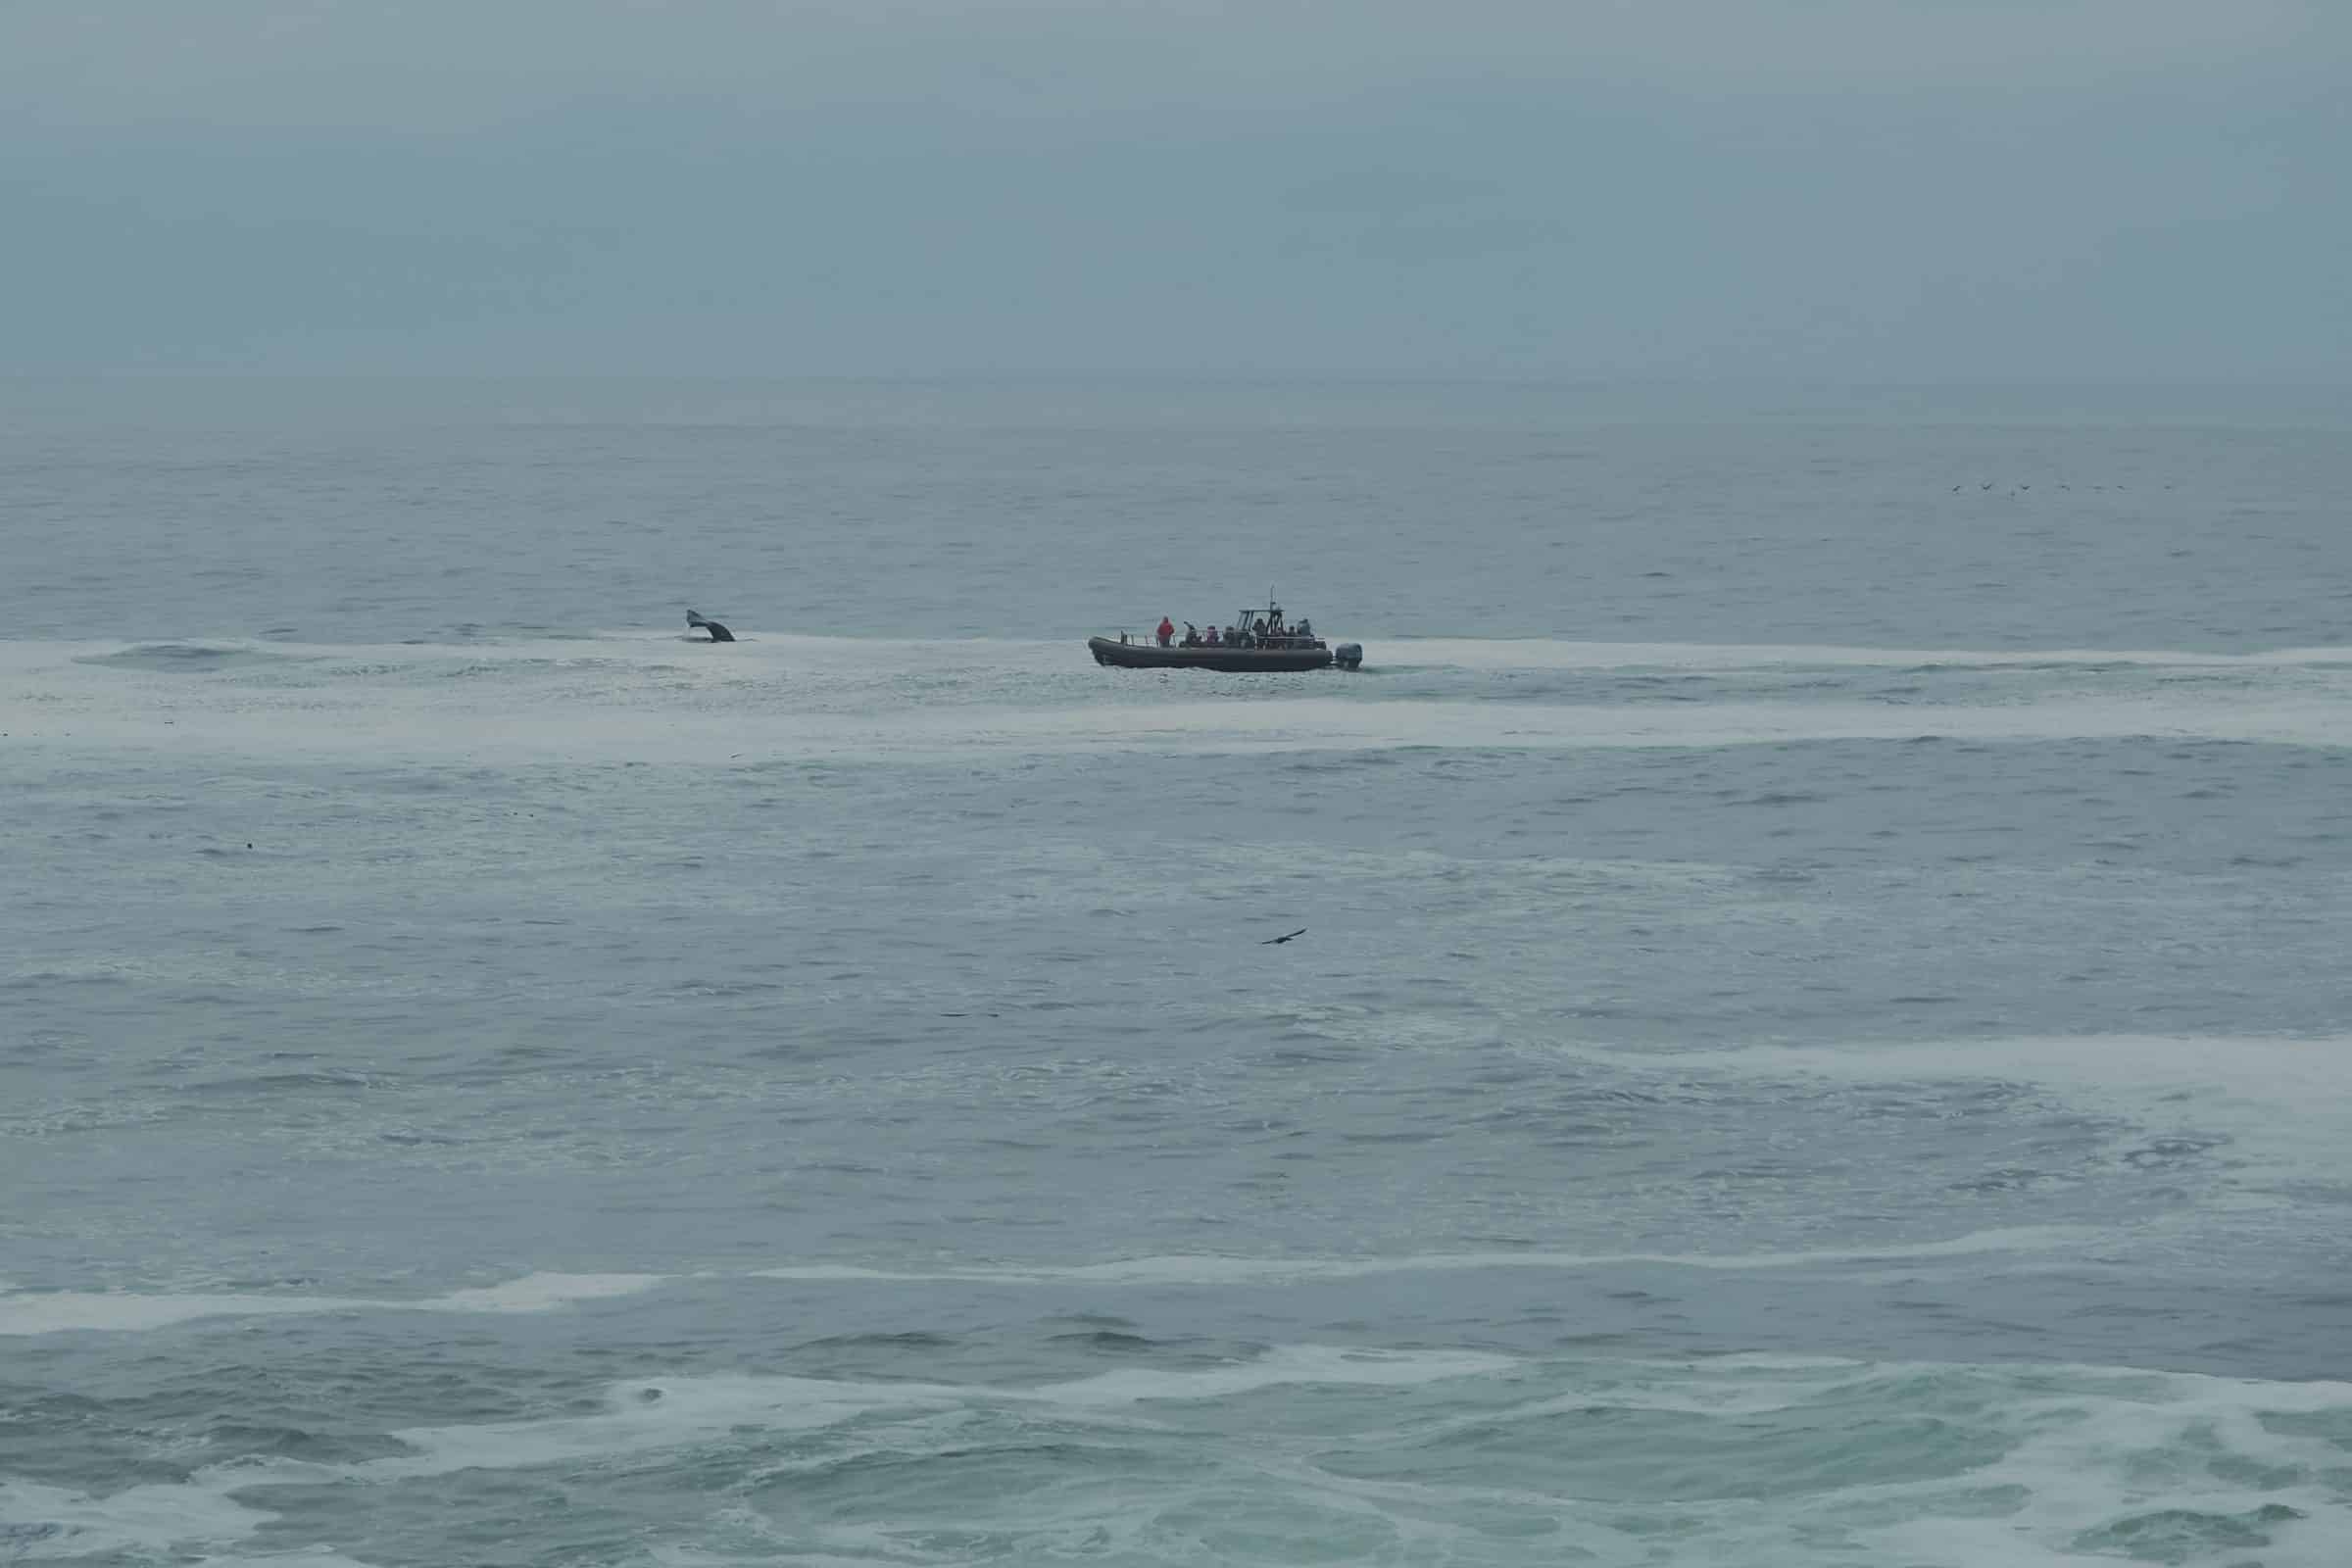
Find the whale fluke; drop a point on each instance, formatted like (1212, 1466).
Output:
(719, 633)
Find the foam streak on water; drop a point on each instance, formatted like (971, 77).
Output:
(1818, 1037)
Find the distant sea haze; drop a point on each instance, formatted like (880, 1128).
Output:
(1813, 1035)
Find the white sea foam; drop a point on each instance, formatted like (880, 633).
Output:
(867, 654)
(623, 700)
(118, 1312)
(762, 1556)
(537, 1292)
(645, 1416)
(2116, 1453)
(2284, 1103)
(2059, 1464)
(111, 1311)
(1212, 1270)
(1283, 1365)
(676, 1412)
(1468, 653)
(556, 732)
(33, 1312)
(39, 1521)
(2081, 1457)
(802, 650)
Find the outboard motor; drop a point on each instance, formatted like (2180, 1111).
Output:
(1349, 656)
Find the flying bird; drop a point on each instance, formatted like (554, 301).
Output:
(1276, 942)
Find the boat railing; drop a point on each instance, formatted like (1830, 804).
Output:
(1149, 639)
(1287, 642)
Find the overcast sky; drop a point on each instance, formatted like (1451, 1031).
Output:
(1839, 190)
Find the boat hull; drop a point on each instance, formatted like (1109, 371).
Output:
(1151, 655)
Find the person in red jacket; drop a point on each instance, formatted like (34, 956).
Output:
(1168, 629)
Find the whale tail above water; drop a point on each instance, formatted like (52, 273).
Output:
(719, 633)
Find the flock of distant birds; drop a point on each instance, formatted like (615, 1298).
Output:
(2019, 490)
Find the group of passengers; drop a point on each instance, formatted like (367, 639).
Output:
(1270, 630)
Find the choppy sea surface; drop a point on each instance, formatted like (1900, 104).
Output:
(1822, 1033)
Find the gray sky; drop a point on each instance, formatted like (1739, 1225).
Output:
(1843, 190)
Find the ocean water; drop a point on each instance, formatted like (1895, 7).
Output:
(1821, 1034)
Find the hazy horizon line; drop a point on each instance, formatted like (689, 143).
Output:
(1403, 375)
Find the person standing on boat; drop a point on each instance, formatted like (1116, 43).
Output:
(1168, 629)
